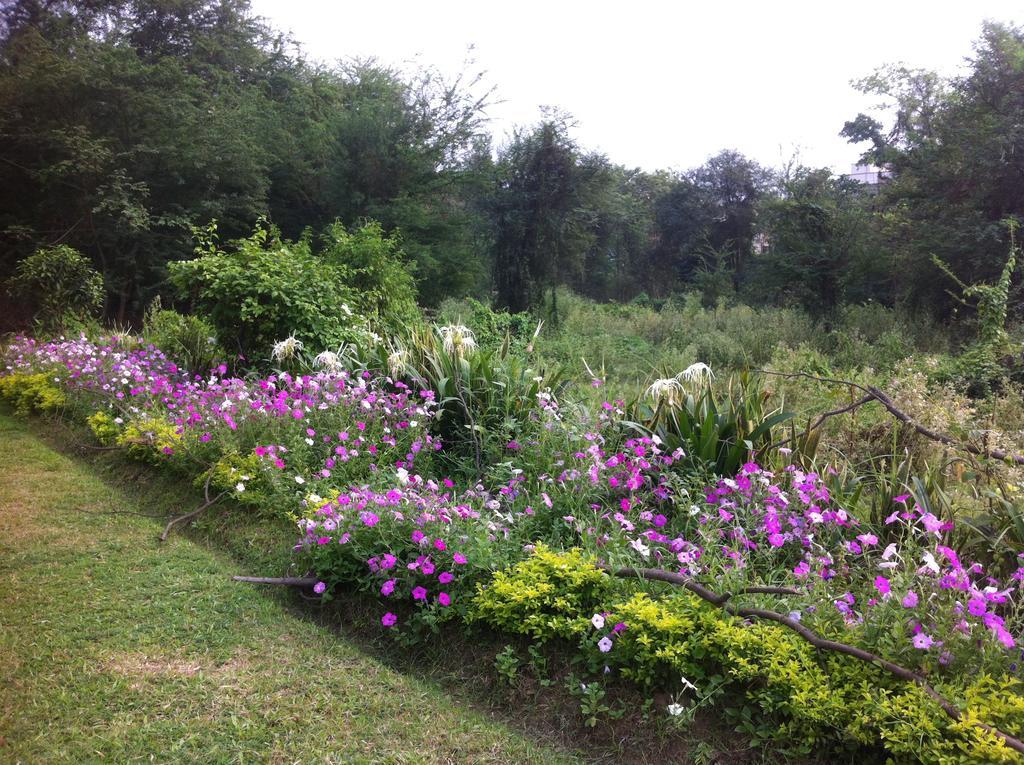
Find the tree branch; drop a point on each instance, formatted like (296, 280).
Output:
(874, 394)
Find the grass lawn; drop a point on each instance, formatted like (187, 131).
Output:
(117, 649)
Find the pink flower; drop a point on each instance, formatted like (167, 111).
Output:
(319, 588)
(419, 593)
(388, 587)
(444, 599)
(459, 558)
(439, 544)
(923, 641)
(445, 577)
(389, 619)
(910, 600)
(882, 585)
(977, 606)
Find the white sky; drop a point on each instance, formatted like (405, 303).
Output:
(661, 84)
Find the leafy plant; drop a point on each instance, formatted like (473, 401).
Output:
(719, 431)
(189, 338)
(61, 285)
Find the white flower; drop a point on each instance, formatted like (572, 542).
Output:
(403, 476)
(397, 362)
(598, 621)
(667, 389)
(930, 563)
(675, 709)
(699, 373)
(457, 339)
(641, 548)
(688, 684)
(604, 644)
(328, 360)
(299, 480)
(285, 349)
(239, 486)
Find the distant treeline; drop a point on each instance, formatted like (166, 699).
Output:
(125, 124)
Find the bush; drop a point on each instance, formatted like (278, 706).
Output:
(61, 285)
(265, 288)
(29, 393)
(189, 339)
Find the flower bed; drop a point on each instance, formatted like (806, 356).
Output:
(531, 548)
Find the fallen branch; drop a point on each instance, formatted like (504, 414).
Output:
(188, 516)
(824, 416)
(875, 394)
(286, 581)
(997, 454)
(721, 600)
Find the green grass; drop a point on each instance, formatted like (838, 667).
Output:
(115, 648)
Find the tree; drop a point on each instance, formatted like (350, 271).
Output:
(539, 213)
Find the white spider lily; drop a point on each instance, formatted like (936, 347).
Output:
(328, 360)
(457, 339)
(287, 348)
(397, 362)
(699, 373)
(668, 389)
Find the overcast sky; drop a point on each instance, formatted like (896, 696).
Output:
(661, 84)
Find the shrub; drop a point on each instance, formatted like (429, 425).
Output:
(189, 339)
(265, 288)
(61, 285)
(30, 393)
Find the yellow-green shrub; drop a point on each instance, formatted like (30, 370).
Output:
(104, 428)
(150, 438)
(550, 594)
(31, 393)
(809, 700)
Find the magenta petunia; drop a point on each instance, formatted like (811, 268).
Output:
(389, 619)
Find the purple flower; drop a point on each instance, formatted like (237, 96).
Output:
(604, 644)
(910, 600)
(444, 599)
(977, 606)
(923, 641)
(319, 588)
(389, 619)
(419, 593)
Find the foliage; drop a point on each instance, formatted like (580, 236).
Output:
(762, 666)
(187, 337)
(716, 431)
(61, 284)
(486, 398)
(29, 393)
(265, 288)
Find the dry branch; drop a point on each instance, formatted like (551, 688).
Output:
(874, 394)
(188, 516)
(721, 600)
(286, 581)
